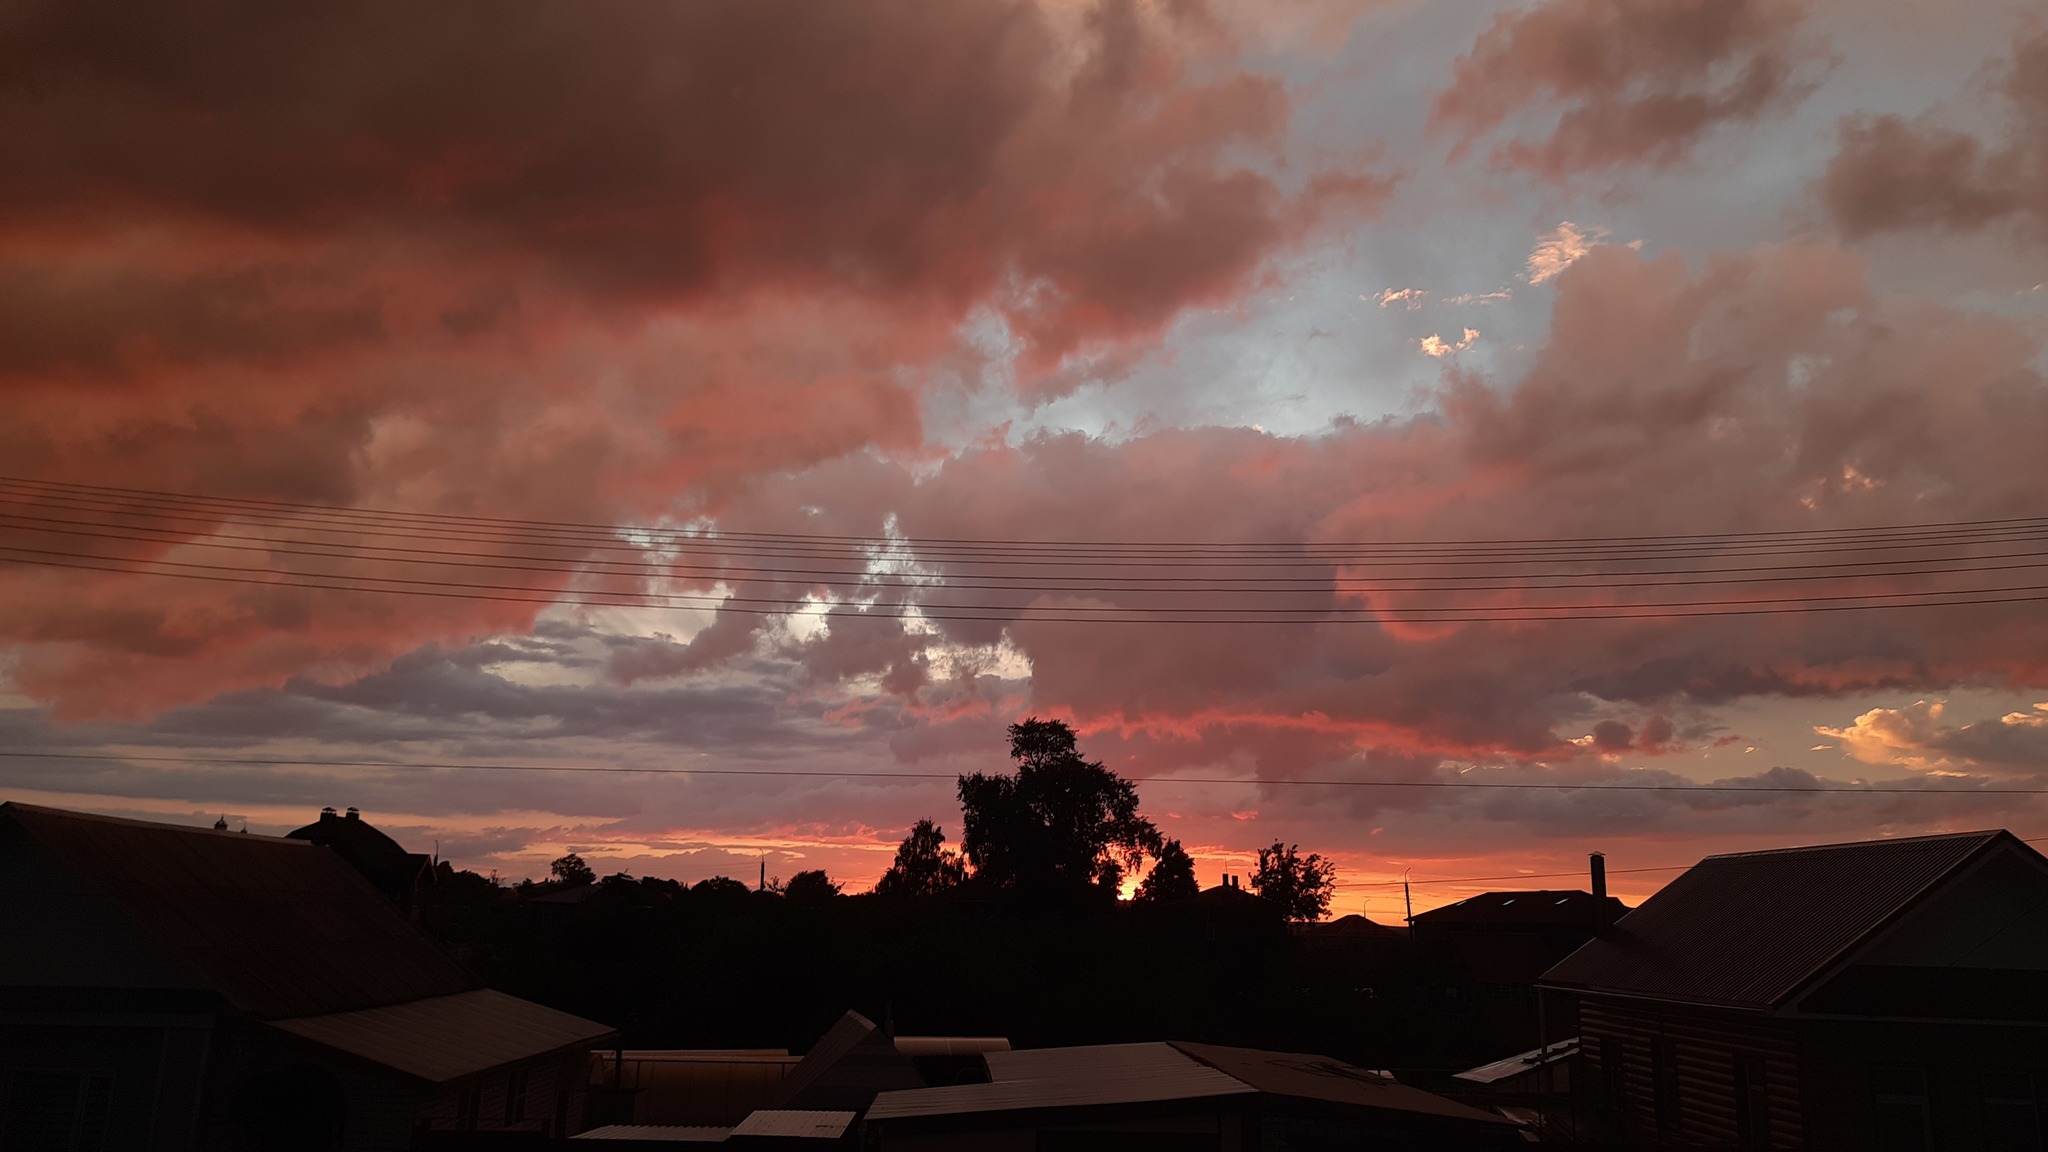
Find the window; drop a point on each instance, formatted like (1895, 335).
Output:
(1664, 1078)
(60, 1111)
(1615, 1077)
(467, 1105)
(1752, 1102)
(1901, 1120)
(2008, 1111)
(515, 1096)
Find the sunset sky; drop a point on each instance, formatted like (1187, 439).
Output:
(1292, 275)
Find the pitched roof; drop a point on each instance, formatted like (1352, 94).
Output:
(1108, 1074)
(1306, 1077)
(1091, 1075)
(448, 1037)
(384, 861)
(1542, 908)
(1751, 929)
(1354, 926)
(795, 1124)
(279, 927)
(846, 1067)
(1521, 1062)
(653, 1133)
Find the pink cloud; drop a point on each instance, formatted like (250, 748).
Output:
(1632, 82)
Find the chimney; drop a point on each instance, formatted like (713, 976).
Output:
(327, 813)
(1599, 862)
(353, 814)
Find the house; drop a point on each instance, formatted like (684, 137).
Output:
(390, 869)
(170, 988)
(1890, 994)
(1480, 959)
(1180, 1097)
(1513, 938)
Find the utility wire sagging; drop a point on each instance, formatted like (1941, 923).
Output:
(242, 541)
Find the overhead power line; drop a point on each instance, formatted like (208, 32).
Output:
(656, 530)
(303, 546)
(829, 774)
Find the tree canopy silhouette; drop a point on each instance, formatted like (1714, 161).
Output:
(572, 871)
(923, 865)
(1300, 885)
(1061, 821)
(1172, 878)
(812, 886)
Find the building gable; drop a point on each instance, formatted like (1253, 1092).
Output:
(1754, 930)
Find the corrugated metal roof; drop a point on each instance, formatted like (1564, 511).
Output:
(448, 1037)
(1521, 1062)
(1750, 929)
(799, 1123)
(280, 927)
(1101, 1074)
(1306, 1077)
(1540, 908)
(675, 1133)
(848, 1065)
(950, 1045)
(1067, 1078)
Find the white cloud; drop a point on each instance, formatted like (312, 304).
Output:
(1436, 346)
(1560, 248)
(1410, 298)
(1481, 297)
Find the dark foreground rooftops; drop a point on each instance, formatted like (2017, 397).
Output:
(1753, 929)
(446, 1038)
(1122, 1074)
(1568, 907)
(277, 927)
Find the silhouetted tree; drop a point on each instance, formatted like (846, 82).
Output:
(1300, 885)
(1059, 821)
(1172, 878)
(812, 886)
(572, 871)
(724, 887)
(923, 866)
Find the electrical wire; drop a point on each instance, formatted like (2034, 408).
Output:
(829, 774)
(998, 581)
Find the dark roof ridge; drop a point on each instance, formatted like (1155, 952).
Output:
(1992, 833)
(1677, 946)
(153, 825)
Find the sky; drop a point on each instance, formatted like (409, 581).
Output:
(1196, 272)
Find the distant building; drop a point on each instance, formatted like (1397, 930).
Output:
(1513, 938)
(171, 988)
(1179, 1097)
(390, 869)
(1891, 994)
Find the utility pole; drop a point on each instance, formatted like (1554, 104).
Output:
(1408, 900)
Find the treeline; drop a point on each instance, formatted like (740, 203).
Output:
(1018, 933)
